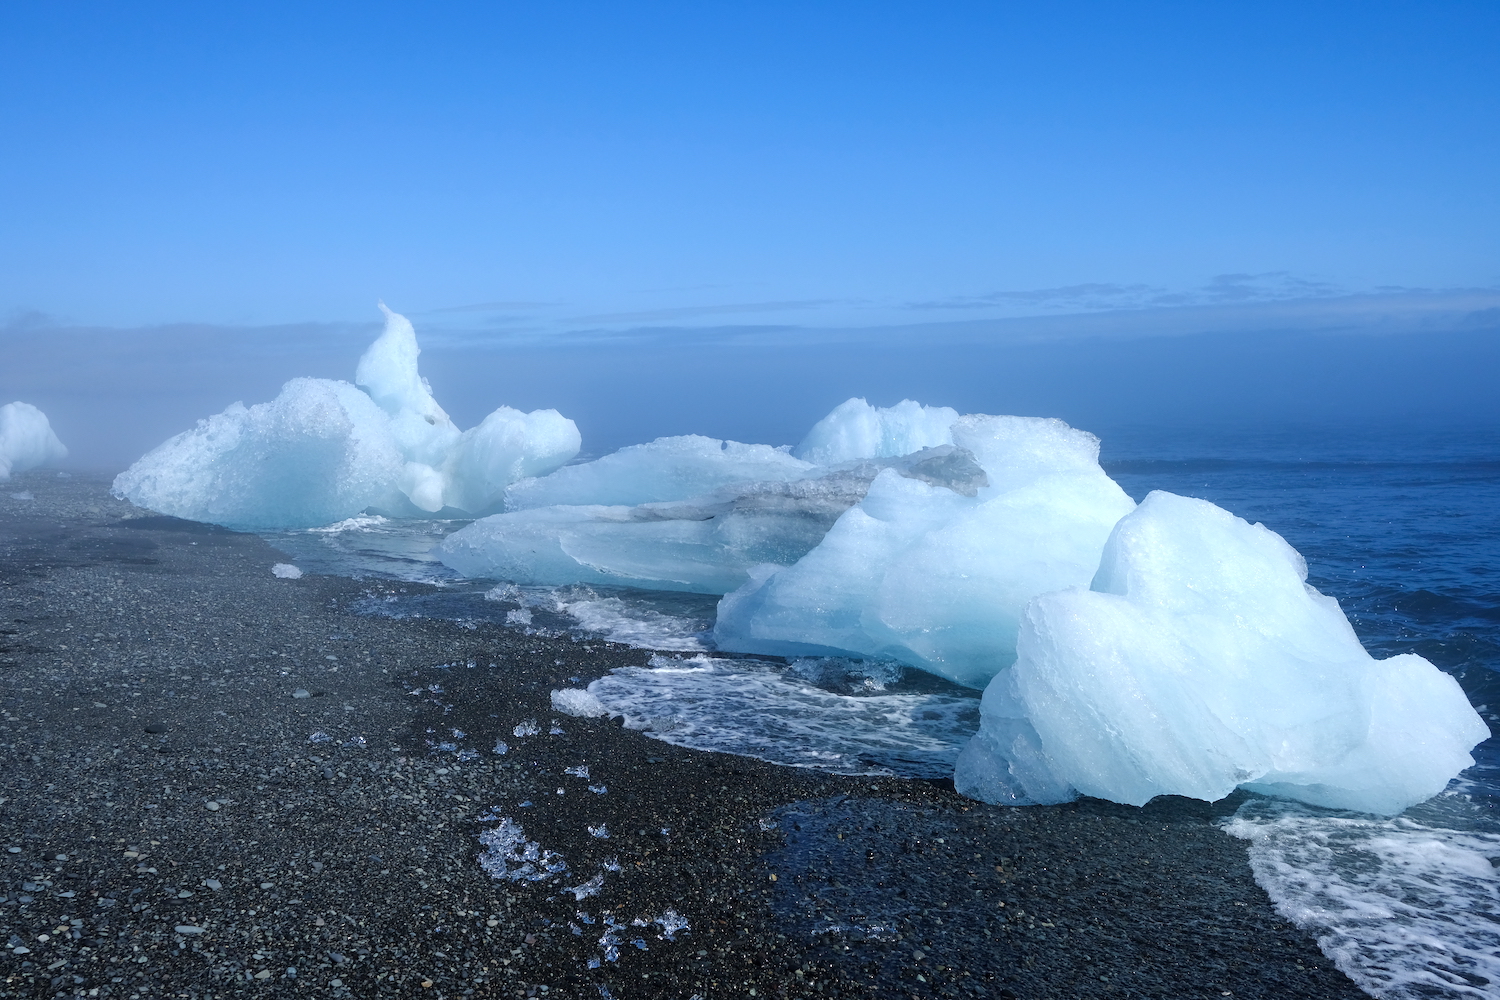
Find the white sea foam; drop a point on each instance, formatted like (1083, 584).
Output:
(1407, 907)
(760, 710)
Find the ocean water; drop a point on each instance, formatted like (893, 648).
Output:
(1402, 527)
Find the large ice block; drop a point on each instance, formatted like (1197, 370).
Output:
(1200, 661)
(326, 450)
(925, 575)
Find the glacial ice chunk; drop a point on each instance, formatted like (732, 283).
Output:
(325, 450)
(669, 468)
(930, 577)
(26, 439)
(702, 545)
(1201, 661)
(856, 430)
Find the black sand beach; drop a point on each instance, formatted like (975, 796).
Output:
(174, 824)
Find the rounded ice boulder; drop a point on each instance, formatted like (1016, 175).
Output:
(1200, 661)
(26, 439)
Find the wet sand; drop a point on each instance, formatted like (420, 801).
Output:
(220, 783)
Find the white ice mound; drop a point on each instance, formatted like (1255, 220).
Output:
(856, 430)
(26, 439)
(325, 450)
(936, 579)
(705, 545)
(1200, 661)
(669, 468)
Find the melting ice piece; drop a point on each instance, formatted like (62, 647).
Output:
(286, 571)
(527, 728)
(590, 888)
(669, 468)
(856, 430)
(579, 771)
(1201, 661)
(929, 577)
(579, 703)
(671, 922)
(26, 439)
(706, 544)
(600, 832)
(509, 855)
(324, 451)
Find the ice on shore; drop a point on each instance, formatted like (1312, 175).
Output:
(325, 450)
(697, 514)
(934, 578)
(26, 439)
(667, 469)
(1200, 661)
(703, 545)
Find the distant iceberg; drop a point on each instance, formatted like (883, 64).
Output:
(324, 450)
(1200, 661)
(26, 439)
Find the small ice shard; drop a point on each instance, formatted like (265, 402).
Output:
(587, 889)
(527, 728)
(510, 855)
(578, 771)
(1201, 661)
(324, 451)
(518, 616)
(578, 703)
(600, 832)
(286, 571)
(934, 578)
(501, 747)
(26, 440)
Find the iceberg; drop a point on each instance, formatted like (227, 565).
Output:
(698, 514)
(937, 577)
(1200, 661)
(26, 439)
(705, 545)
(324, 450)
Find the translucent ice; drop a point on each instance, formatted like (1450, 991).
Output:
(669, 468)
(703, 545)
(856, 430)
(934, 578)
(325, 450)
(26, 439)
(1200, 661)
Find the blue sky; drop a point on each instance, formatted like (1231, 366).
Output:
(524, 167)
(727, 218)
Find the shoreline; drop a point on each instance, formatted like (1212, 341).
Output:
(163, 698)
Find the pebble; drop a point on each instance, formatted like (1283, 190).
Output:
(213, 884)
(267, 885)
(188, 929)
(211, 806)
(13, 850)
(156, 727)
(302, 693)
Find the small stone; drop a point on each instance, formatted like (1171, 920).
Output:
(13, 850)
(20, 949)
(267, 885)
(335, 982)
(184, 894)
(156, 728)
(188, 929)
(211, 806)
(213, 884)
(263, 974)
(301, 693)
